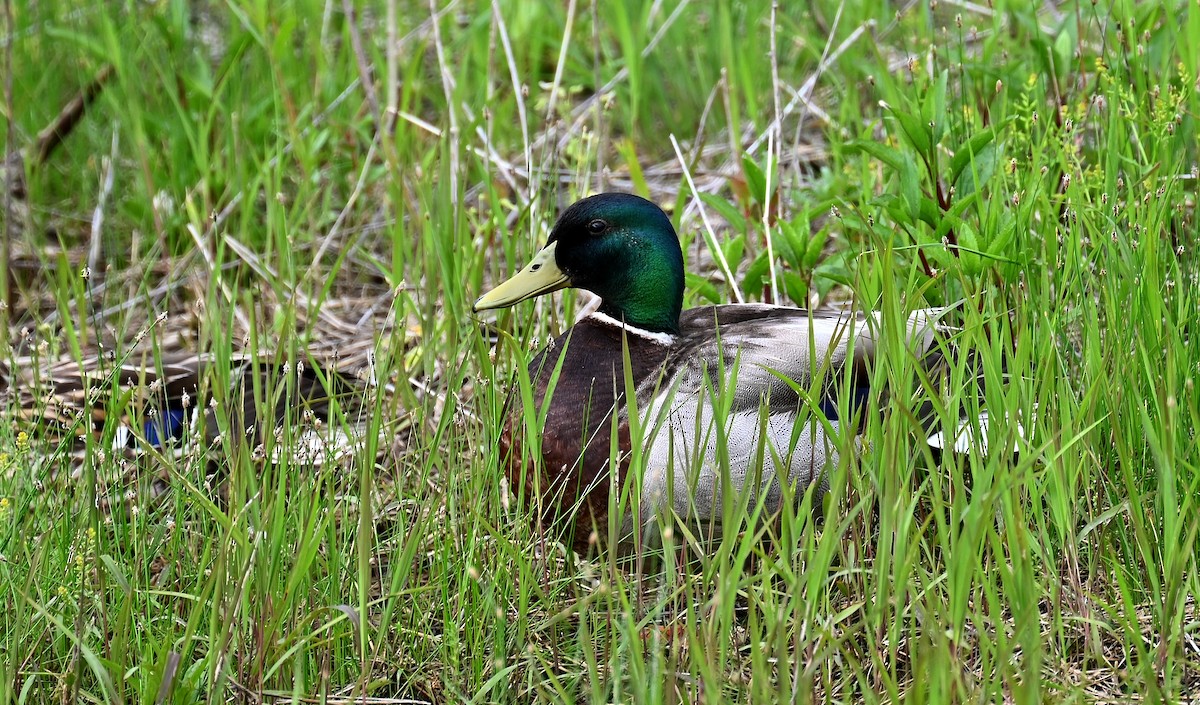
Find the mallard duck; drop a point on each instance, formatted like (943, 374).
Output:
(774, 369)
(163, 402)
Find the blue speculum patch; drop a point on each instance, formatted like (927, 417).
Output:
(163, 426)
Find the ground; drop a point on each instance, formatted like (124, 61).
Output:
(258, 228)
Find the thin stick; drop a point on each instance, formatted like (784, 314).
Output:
(336, 230)
(518, 89)
(766, 218)
(364, 64)
(452, 115)
(106, 186)
(393, 74)
(772, 145)
(563, 47)
(584, 108)
(64, 123)
(9, 173)
(808, 106)
(806, 90)
(710, 235)
(507, 168)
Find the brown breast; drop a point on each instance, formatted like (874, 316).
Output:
(568, 485)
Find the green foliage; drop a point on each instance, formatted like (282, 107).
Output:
(1036, 163)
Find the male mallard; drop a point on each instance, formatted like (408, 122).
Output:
(624, 249)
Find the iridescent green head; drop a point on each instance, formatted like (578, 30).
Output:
(620, 247)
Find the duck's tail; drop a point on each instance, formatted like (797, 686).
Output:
(934, 340)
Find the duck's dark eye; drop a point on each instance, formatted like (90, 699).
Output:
(597, 226)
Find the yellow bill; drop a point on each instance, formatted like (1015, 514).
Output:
(540, 276)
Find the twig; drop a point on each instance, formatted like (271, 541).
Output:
(507, 169)
(202, 245)
(580, 111)
(7, 164)
(364, 64)
(806, 90)
(772, 145)
(53, 135)
(559, 67)
(766, 219)
(335, 231)
(518, 90)
(264, 270)
(106, 186)
(392, 76)
(452, 116)
(710, 235)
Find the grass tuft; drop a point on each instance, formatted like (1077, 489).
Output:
(313, 194)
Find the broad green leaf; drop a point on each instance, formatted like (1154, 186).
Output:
(888, 155)
(789, 245)
(910, 190)
(816, 246)
(953, 217)
(796, 287)
(733, 250)
(833, 271)
(726, 210)
(974, 178)
(1064, 48)
(756, 180)
(916, 132)
(935, 116)
(930, 213)
(973, 146)
(757, 273)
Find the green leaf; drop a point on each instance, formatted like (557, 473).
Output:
(117, 574)
(930, 213)
(971, 180)
(936, 108)
(816, 246)
(1064, 48)
(789, 245)
(969, 247)
(87, 43)
(998, 245)
(910, 190)
(832, 272)
(953, 217)
(796, 287)
(888, 155)
(701, 285)
(972, 147)
(733, 250)
(757, 273)
(629, 154)
(756, 180)
(726, 210)
(916, 132)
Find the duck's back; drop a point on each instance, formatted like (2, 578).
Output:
(751, 353)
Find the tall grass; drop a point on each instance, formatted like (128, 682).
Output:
(335, 189)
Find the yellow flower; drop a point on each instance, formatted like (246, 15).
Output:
(62, 591)
(22, 441)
